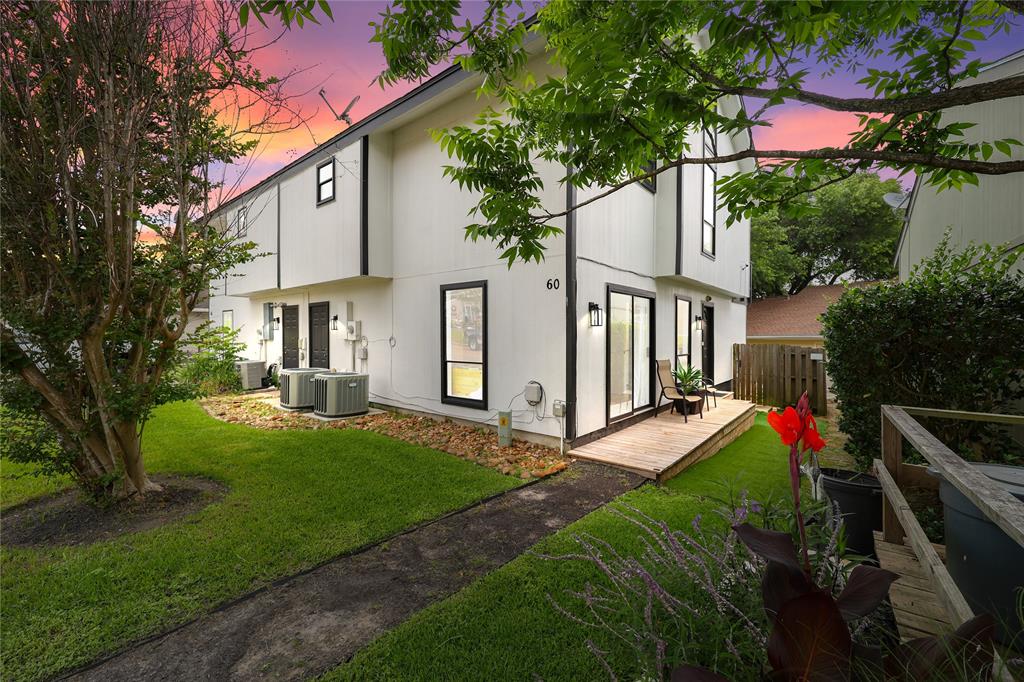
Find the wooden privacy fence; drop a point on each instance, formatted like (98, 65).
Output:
(775, 374)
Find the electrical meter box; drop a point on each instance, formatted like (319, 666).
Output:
(558, 408)
(533, 393)
(353, 330)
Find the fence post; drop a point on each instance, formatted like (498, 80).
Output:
(892, 459)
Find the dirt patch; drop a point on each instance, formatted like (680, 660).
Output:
(67, 518)
(522, 459)
(305, 625)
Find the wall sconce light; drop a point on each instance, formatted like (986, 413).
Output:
(334, 323)
(596, 315)
(277, 323)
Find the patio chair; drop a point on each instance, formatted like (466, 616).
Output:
(709, 389)
(670, 391)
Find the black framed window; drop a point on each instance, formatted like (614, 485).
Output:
(684, 332)
(464, 344)
(651, 183)
(325, 182)
(709, 221)
(242, 222)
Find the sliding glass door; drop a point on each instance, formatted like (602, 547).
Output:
(630, 332)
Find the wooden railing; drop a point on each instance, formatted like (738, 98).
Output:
(898, 520)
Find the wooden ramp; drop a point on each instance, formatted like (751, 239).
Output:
(917, 608)
(660, 447)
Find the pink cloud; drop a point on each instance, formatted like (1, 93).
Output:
(802, 128)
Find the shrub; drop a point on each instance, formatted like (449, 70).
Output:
(947, 337)
(210, 369)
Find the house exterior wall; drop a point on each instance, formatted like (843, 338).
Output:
(415, 243)
(992, 212)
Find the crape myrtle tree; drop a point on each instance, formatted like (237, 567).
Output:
(637, 87)
(851, 234)
(114, 115)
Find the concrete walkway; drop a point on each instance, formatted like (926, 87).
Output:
(317, 620)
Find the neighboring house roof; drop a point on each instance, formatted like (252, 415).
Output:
(794, 316)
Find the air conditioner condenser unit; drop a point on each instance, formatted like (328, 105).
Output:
(252, 373)
(297, 386)
(341, 394)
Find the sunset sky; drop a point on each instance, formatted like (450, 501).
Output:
(339, 57)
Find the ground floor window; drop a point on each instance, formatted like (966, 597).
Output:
(464, 344)
(630, 338)
(227, 319)
(683, 332)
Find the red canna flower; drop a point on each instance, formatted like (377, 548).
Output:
(812, 439)
(787, 423)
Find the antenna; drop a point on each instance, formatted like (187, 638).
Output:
(343, 116)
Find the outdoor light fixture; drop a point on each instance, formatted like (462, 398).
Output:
(277, 323)
(334, 323)
(596, 315)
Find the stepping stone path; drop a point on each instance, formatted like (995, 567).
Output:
(307, 624)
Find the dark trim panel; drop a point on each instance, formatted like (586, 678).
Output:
(571, 323)
(279, 235)
(679, 220)
(364, 207)
(445, 398)
(653, 298)
(334, 184)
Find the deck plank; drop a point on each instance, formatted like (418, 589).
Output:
(915, 604)
(660, 447)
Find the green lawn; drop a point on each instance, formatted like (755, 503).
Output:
(502, 626)
(296, 498)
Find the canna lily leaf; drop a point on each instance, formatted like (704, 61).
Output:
(864, 591)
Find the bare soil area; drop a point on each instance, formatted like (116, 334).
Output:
(68, 518)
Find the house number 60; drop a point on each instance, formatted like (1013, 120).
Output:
(554, 283)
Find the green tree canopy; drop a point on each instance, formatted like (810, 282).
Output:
(639, 80)
(852, 232)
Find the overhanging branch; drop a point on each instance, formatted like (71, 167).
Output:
(827, 153)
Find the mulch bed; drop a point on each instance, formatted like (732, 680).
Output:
(523, 459)
(68, 518)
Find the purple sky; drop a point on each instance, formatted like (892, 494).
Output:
(339, 57)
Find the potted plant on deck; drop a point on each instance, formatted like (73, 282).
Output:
(689, 381)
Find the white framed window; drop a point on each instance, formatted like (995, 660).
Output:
(227, 319)
(325, 182)
(464, 344)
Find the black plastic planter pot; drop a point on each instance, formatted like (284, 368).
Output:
(859, 497)
(986, 563)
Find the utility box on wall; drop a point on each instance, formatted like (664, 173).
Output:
(504, 429)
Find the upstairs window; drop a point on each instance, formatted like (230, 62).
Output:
(464, 344)
(710, 204)
(651, 183)
(242, 222)
(325, 182)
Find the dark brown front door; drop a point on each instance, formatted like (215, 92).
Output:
(290, 336)
(708, 342)
(319, 335)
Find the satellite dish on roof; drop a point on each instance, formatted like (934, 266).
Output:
(896, 199)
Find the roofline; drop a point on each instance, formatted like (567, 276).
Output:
(1003, 60)
(448, 78)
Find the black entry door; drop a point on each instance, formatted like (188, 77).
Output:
(290, 336)
(319, 335)
(708, 339)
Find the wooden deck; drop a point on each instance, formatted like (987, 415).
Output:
(660, 447)
(918, 610)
